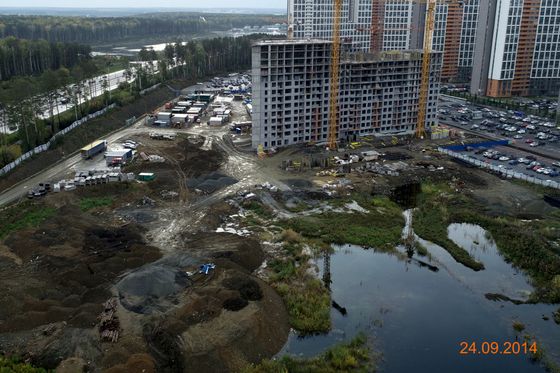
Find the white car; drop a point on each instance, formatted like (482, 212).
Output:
(503, 159)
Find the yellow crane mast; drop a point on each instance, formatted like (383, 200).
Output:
(335, 72)
(426, 62)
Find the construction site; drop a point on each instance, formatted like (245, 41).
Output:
(260, 232)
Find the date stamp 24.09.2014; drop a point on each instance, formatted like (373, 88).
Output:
(497, 348)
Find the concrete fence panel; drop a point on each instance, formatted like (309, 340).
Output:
(45, 147)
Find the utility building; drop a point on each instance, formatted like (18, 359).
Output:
(378, 92)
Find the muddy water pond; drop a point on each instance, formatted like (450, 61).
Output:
(417, 317)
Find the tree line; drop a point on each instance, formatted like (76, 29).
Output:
(201, 58)
(20, 57)
(93, 30)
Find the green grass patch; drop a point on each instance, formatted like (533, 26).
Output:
(259, 209)
(430, 222)
(308, 303)
(87, 204)
(300, 207)
(380, 228)
(283, 270)
(353, 356)
(306, 299)
(15, 365)
(21, 216)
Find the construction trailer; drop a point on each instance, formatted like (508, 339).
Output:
(179, 110)
(216, 121)
(179, 119)
(204, 97)
(195, 111)
(118, 157)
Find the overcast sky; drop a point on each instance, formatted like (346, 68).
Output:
(151, 4)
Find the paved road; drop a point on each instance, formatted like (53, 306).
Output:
(60, 170)
(241, 165)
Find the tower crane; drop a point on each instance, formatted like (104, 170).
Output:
(426, 62)
(425, 77)
(335, 72)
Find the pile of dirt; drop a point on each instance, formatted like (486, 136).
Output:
(214, 324)
(211, 182)
(145, 290)
(226, 313)
(66, 267)
(243, 251)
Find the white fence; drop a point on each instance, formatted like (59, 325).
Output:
(507, 173)
(44, 147)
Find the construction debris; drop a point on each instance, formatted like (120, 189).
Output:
(109, 324)
(156, 158)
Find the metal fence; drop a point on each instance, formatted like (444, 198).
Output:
(511, 174)
(485, 144)
(44, 147)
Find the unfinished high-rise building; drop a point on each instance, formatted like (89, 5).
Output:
(378, 92)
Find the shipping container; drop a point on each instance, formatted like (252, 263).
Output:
(146, 176)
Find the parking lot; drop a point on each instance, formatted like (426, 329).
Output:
(507, 158)
(528, 132)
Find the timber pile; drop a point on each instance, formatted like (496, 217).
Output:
(109, 324)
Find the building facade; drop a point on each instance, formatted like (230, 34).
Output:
(314, 19)
(523, 57)
(378, 92)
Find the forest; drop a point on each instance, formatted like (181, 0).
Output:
(32, 57)
(94, 30)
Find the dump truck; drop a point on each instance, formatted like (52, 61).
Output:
(93, 149)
